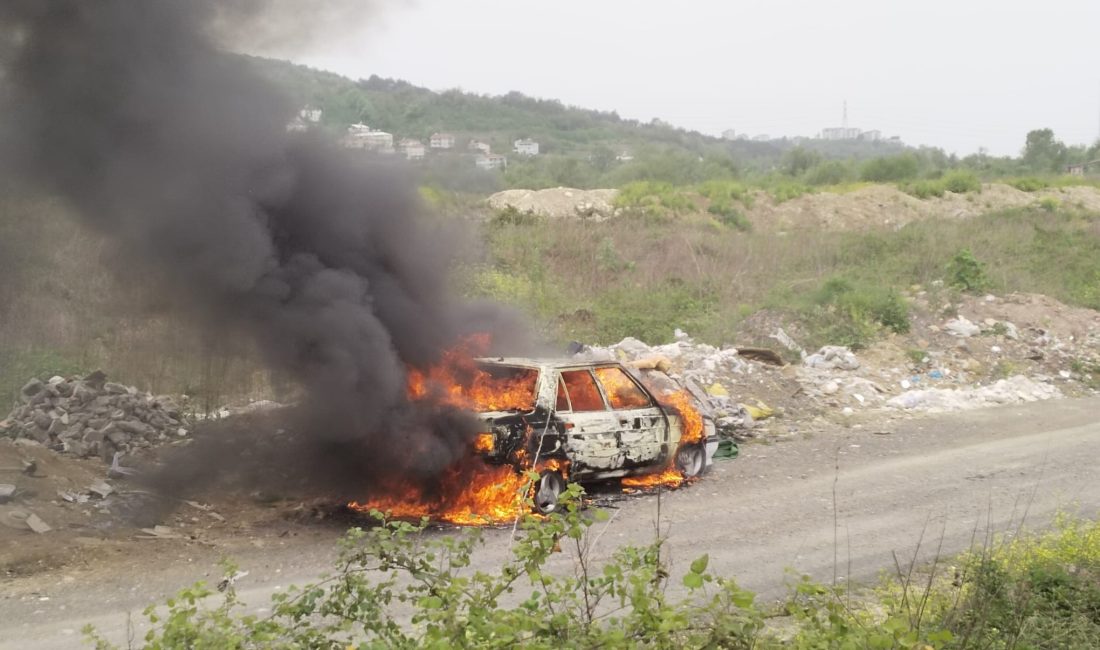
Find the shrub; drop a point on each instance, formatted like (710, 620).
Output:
(924, 189)
(1028, 184)
(786, 190)
(830, 172)
(842, 312)
(1049, 204)
(890, 168)
(653, 199)
(965, 272)
(729, 215)
(961, 181)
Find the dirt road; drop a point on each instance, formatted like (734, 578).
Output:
(837, 503)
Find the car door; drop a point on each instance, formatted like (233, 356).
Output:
(642, 426)
(591, 429)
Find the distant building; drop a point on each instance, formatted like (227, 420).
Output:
(874, 135)
(526, 147)
(491, 161)
(1080, 169)
(297, 125)
(840, 133)
(625, 156)
(729, 134)
(478, 145)
(412, 149)
(442, 141)
(761, 138)
(310, 114)
(361, 136)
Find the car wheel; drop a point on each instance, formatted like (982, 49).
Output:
(547, 491)
(691, 460)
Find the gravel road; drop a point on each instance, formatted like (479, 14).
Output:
(838, 506)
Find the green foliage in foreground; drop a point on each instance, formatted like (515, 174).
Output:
(400, 586)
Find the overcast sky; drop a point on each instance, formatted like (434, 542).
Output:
(957, 74)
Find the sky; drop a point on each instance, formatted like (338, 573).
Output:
(960, 75)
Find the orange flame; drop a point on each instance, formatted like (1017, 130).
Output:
(473, 491)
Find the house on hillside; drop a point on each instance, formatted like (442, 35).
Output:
(478, 145)
(1080, 169)
(441, 141)
(311, 115)
(729, 134)
(412, 149)
(491, 161)
(361, 136)
(840, 133)
(526, 147)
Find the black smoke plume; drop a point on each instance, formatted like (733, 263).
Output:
(175, 149)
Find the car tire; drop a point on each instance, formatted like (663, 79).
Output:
(691, 460)
(547, 490)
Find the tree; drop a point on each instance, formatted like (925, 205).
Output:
(796, 161)
(1042, 152)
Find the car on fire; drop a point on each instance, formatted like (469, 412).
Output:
(587, 421)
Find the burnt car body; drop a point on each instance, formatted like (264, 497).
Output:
(588, 421)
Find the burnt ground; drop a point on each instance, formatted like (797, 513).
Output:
(838, 502)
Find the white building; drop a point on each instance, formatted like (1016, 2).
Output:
(361, 136)
(412, 149)
(729, 134)
(491, 161)
(874, 135)
(526, 147)
(442, 141)
(840, 133)
(310, 114)
(478, 145)
(761, 138)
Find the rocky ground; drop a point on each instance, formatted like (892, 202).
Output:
(872, 206)
(67, 497)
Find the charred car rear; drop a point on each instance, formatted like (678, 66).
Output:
(590, 421)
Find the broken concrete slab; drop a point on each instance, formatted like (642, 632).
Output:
(101, 489)
(7, 490)
(35, 523)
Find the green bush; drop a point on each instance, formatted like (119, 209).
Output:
(653, 199)
(729, 215)
(924, 189)
(1049, 204)
(842, 312)
(965, 272)
(830, 172)
(891, 168)
(787, 190)
(1028, 184)
(961, 181)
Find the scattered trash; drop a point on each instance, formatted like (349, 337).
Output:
(159, 532)
(73, 497)
(1013, 390)
(116, 470)
(961, 327)
(759, 412)
(832, 357)
(727, 450)
(229, 581)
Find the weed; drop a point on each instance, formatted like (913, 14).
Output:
(966, 273)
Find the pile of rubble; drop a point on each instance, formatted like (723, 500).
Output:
(93, 417)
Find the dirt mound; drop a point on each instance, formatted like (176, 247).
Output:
(558, 202)
(878, 206)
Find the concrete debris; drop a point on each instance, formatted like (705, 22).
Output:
(159, 532)
(1015, 389)
(7, 490)
(101, 489)
(35, 523)
(832, 357)
(961, 327)
(92, 417)
(73, 497)
(558, 203)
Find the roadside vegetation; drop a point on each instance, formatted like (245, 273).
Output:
(643, 276)
(396, 585)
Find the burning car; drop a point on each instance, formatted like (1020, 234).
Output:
(566, 420)
(587, 421)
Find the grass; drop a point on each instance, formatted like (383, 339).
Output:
(706, 279)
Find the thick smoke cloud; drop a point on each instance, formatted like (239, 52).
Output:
(179, 152)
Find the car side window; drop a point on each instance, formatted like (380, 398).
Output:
(621, 390)
(583, 393)
(563, 398)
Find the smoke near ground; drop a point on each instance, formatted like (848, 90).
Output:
(175, 150)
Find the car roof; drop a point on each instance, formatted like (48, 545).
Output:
(551, 363)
